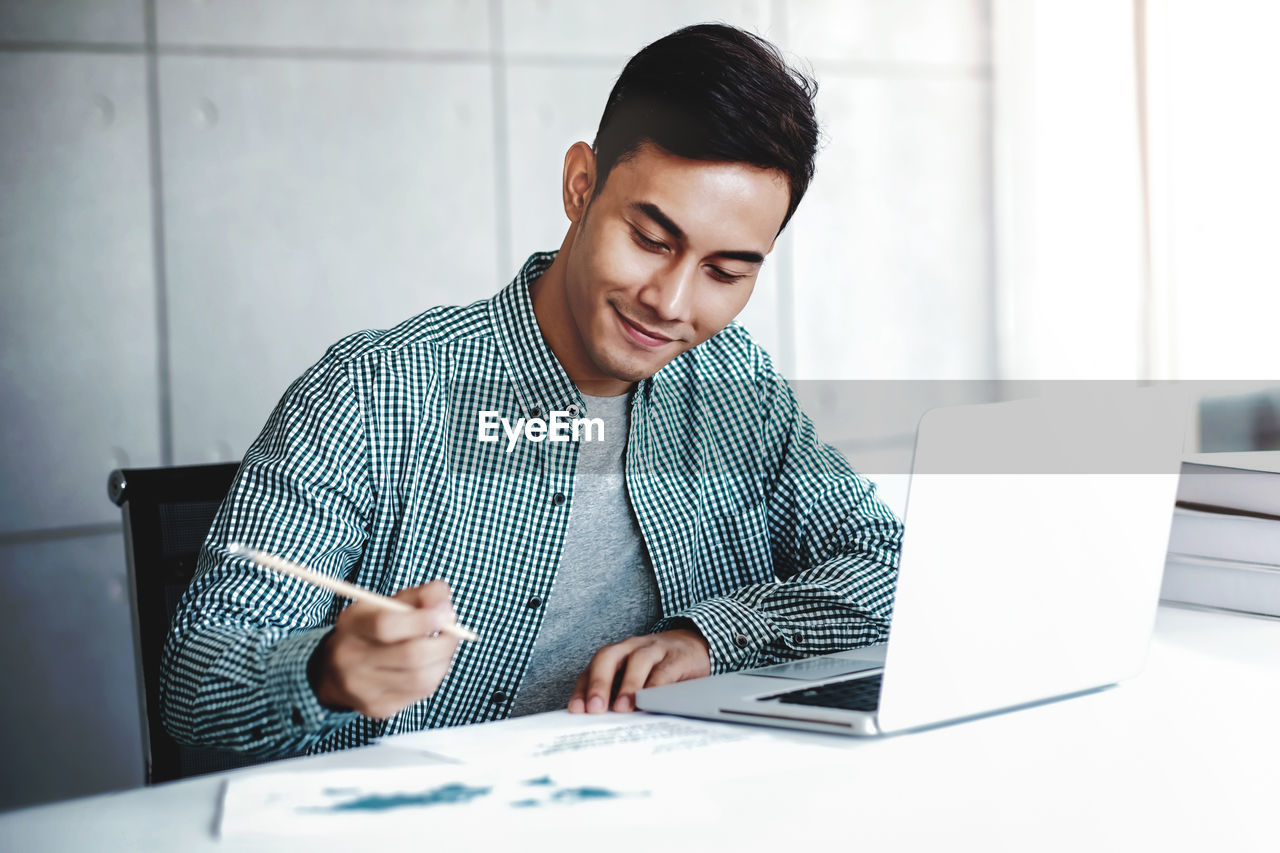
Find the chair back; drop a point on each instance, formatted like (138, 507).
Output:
(167, 514)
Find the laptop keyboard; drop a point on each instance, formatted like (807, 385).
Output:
(856, 694)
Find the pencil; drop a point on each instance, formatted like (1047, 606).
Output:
(355, 593)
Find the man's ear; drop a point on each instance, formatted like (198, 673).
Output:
(579, 179)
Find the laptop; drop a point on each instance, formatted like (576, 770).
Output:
(1036, 534)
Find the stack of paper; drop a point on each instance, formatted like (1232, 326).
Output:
(1224, 547)
(603, 775)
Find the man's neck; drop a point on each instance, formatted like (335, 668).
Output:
(551, 310)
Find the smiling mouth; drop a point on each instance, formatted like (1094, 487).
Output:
(640, 334)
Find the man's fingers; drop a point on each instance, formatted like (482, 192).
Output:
(387, 627)
(387, 700)
(578, 698)
(601, 673)
(433, 607)
(666, 672)
(380, 661)
(398, 675)
(639, 664)
(618, 671)
(432, 612)
(412, 655)
(425, 596)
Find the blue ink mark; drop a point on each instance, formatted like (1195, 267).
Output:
(451, 794)
(541, 780)
(584, 793)
(525, 804)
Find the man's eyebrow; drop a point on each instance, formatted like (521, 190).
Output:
(655, 213)
(747, 257)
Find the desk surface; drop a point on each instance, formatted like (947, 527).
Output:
(1185, 756)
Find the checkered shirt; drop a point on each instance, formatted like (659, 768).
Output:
(370, 469)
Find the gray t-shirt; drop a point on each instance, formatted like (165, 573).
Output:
(605, 589)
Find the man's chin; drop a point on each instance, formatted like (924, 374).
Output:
(633, 370)
(634, 375)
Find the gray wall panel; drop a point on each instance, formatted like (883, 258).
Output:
(588, 28)
(69, 724)
(367, 25)
(930, 32)
(88, 21)
(548, 109)
(306, 200)
(893, 276)
(78, 379)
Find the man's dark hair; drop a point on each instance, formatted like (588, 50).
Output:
(713, 92)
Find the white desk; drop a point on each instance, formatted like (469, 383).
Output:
(1184, 757)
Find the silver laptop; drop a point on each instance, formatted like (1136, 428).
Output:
(1030, 570)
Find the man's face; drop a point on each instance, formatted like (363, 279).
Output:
(666, 255)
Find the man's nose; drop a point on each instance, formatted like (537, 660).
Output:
(669, 294)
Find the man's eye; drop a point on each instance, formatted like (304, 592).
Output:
(726, 277)
(645, 241)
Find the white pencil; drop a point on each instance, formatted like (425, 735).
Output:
(355, 593)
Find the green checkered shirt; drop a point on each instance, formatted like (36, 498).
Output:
(370, 469)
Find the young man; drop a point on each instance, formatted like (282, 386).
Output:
(702, 527)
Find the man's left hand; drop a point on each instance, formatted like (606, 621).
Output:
(646, 661)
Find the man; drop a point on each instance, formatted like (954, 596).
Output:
(702, 528)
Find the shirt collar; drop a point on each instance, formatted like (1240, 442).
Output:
(540, 381)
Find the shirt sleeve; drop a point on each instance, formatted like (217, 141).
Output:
(234, 668)
(834, 549)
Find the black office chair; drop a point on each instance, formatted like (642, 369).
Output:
(167, 514)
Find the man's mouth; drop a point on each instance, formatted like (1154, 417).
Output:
(642, 335)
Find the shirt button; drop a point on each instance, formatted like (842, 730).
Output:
(573, 410)
(258, 733)
(498, 697)
(797, 637)
(535, 412)
(533, 603)
(741, 641)
(558, 499)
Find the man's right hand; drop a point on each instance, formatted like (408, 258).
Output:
(379, 662)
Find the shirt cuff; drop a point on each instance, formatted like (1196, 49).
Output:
(736, 635)
(297, 711)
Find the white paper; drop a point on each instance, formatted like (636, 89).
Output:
(407, 800)
(564, 735)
